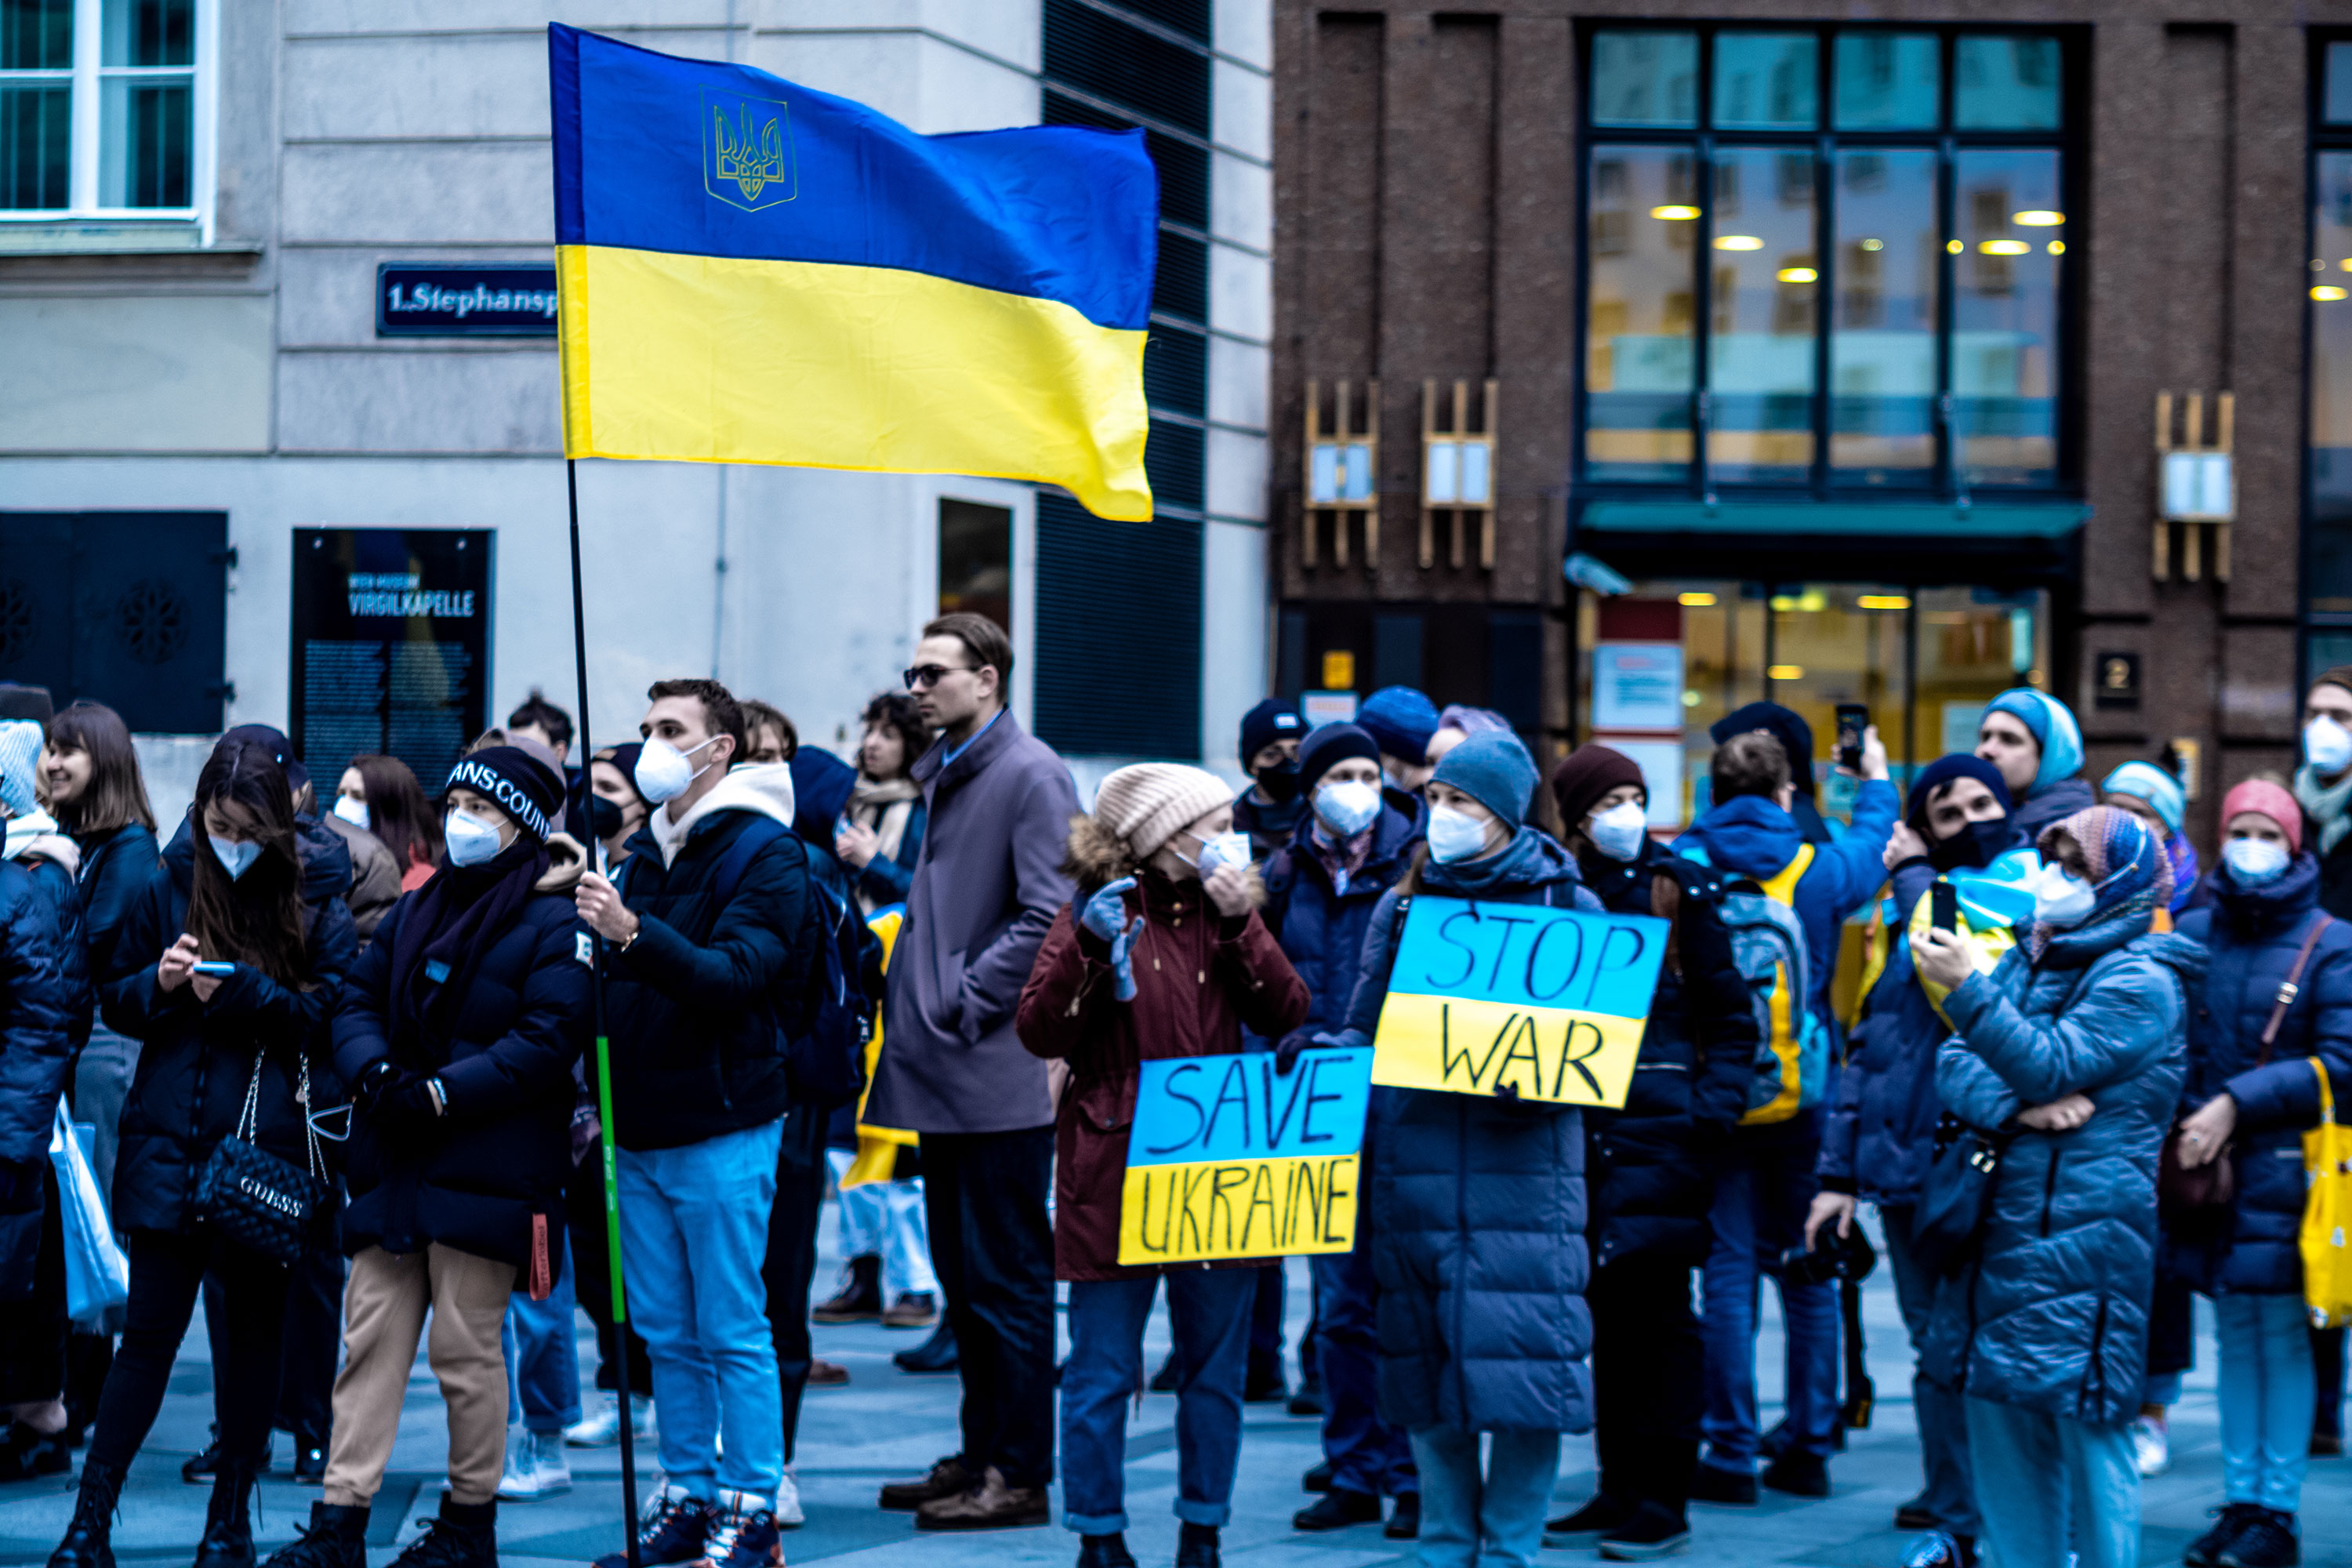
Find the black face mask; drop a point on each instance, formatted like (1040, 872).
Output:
(1280, 782)
(604, 816)
(1975, 845)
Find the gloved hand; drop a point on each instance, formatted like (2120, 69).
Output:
(1122, 961)
(1106, 912)
(1292, 1046)
(374, 1079)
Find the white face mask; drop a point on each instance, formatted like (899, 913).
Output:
(1347, 806)
(1619, 831)
(2255, 862)
(662, 773)
(2327, 745)
(2061, 899)
(469, 839)
(1455, 836)
(355, 811)
(236, 857)
(1224, 849)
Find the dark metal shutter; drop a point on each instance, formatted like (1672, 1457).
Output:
(1514, 667)
(1181, 287)
(1176, 370)
(130, 609)
(1174, 458)
(1118, 644)
(1106, 57)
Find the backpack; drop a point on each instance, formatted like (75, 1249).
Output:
(1767, 944)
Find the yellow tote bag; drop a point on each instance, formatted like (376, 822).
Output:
(2327, 1215)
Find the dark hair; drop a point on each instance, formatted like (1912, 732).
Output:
(984, 640)
(117, 792)
(898, 710)
(2337, 675)
(538, 714)
(758, 716)
(398, 812)
(1752, 764)
(256, 919)
(722, 714)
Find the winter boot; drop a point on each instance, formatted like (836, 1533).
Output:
(90, 1539)
(335, 1538)
(1197, 1546)
(1105, 1551)
(464, 1535)
(228, 1523)
(860, 1300)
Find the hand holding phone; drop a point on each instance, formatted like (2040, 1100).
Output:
(218, 968)
(1853, 718)
(1944, 907)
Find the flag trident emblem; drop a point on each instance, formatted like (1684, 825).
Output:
(747, 153)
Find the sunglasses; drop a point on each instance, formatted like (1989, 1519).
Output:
(925, 675)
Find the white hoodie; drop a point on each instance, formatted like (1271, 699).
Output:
(763, 787)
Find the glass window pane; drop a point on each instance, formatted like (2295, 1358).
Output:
(2005, 83)
(1883, 323)
(2005, 316)
(146, 142)
(35, 146)
(149, 32)
(1888, 81)
(976, 560)
(2337, 103)
(36, 35)
(1761, 350)
(2331, 382)
(1764, 81)
(1644, 79)
(1638, 371)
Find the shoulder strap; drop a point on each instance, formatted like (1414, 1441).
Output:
(1782, 885)
(2287, 991)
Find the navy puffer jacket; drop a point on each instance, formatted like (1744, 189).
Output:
(2252, 935)
(1321, 929)
(2051, 1314)
(116, 867)
(36, 1055)
(1478, 1208)
(473, 1179)
(1651, 1165)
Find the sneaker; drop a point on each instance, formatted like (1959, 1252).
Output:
(1941, 1549)
(1653, 1532)
(912, 1309)
(1337, 1510)
(859, 1299)
(1585, 1527)
(1713, 1483)
(602, 1430)
(743, 1534)
(2205, 1551)
(463, 1535)
(199, 1471)
(2267, 1541)
(1404, 1519)
(25, 1454)
(992, 1505)
(520, 1480)
(335, 1538)
(946, 1477)
(1318, 1478)
(547, 1461)
(825, 1374)
(2151, 1445)
(670, 1528)
(1798, 1475)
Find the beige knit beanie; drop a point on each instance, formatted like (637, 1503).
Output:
(1146, 803)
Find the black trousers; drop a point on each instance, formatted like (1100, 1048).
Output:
(167, 1270)
(789, 1269)
(985, 1196)
(32, 1325)
(1648, 1389)
(592, 1257)
(314, 1337)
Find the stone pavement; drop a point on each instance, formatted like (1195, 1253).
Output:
(887, 1422)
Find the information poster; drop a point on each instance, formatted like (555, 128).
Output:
(1637, 686)
(390, 647)
(1227, 1158)
(1516, 998)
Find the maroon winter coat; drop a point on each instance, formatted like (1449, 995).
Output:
(1200, 980)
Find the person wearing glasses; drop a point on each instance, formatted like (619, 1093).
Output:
(986, 887)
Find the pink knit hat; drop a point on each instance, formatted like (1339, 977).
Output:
(2270, 801)
(1145, 802)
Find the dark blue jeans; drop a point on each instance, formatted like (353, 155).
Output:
(1367, 1454)
(1760, 1200)
(1209, 1310)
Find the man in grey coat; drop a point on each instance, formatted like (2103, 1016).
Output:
(987, 887)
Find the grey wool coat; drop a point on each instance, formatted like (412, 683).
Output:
(985, 891)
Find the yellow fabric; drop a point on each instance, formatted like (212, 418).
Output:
(878, 1147)
(814, 364)
(1785, 1010)
(1877, 949)
(2328, 1213)
(1985, 947)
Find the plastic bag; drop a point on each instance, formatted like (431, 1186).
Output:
(98, 1275)
(2328, 1213)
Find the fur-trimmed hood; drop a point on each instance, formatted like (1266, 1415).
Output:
(1098, 856)
(567, 862)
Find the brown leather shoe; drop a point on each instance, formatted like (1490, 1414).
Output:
(990, 1505)
(947, 1479)
(827, 1374)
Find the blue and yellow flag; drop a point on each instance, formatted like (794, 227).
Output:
(752, 272)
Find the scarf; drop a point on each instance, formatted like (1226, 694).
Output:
(1530, 859)
(22, 830)
(2130, 875)
(2330, 805)
(1342, 858)
(886, 806)
(449, 924)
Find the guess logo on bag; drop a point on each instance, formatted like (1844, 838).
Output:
(283, 1203)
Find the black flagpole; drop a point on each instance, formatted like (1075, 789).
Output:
(604, 1061)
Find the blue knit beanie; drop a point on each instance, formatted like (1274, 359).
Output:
(2152, 785)
(1945, 770)
(1401, 720)
(20, 752)
(1493, 769)
(2051, 725)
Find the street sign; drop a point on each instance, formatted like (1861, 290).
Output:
(487, 300)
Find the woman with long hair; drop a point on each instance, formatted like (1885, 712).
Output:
(381, 795)
(229, 892)
(881, 830)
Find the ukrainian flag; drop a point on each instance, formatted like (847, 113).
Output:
(752, 272)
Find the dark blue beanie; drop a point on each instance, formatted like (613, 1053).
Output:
(1493, 769)
(1943, 771)
(1271, 720)
(1401, 720)
(1331, 744)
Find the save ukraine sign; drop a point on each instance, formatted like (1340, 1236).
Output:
(1518, 998)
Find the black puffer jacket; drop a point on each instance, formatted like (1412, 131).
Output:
(473, 1179)
(35, 1058)
(116, 867)
(197, 1058)
(1650, 1165)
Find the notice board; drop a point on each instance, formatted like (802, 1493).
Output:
(390, 647)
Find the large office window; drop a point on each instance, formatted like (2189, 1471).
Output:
(2327, 558)
(1827, 260)
(100, 107)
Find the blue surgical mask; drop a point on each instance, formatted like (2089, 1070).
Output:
(355, 811)
(236, 857)
(1455, 836)
(1224, 849)
(2328, 745)
(469, 839)
(1347, 806)
(2255, 862)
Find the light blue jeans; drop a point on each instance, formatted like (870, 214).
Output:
(694, 1230)
(2266, 1388)
(2051, 1491)
(885, 1220)
(1503, 1508)
(544, 1358)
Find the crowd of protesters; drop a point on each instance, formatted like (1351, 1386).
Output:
(339, 1069)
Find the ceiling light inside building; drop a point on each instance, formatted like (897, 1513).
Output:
(1784, 673)
(1696, 601)
(1798, 275)
(2003, 247)
(1883, 601)
(1737, 242)
(2327, 291)
(1674, 213)
(2037, 218)
(1954, 245)
(2057, 248)
(1873, 245)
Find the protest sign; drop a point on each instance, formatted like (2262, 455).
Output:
(1227, 1158)
(1549, 1002)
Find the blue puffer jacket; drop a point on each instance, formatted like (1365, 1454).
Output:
(1478, 1208)
(2051, 1314)
(2252, 935)
(1321, 931)
(116, 867)
(36, 1056)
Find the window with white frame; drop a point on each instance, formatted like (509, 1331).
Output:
(102, 108)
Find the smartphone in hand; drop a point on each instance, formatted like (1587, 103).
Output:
(1944, 907)
(220, 969)
(1853, 718)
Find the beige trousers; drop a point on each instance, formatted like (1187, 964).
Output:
(383, 1314)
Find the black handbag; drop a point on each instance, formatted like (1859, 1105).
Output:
(1955, 1199)
(257, 1200)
